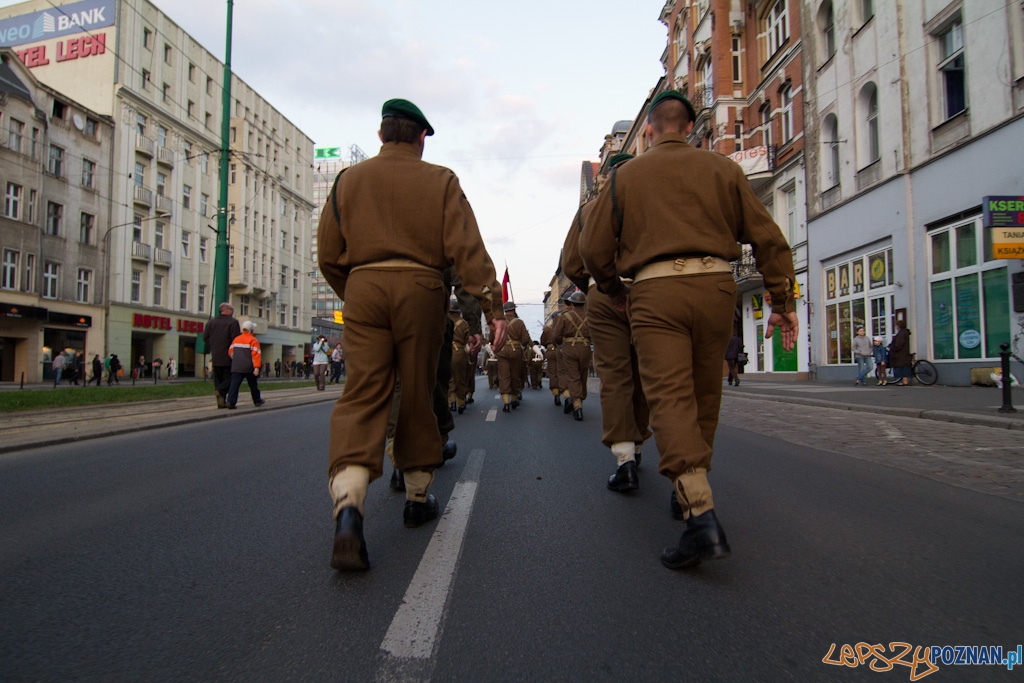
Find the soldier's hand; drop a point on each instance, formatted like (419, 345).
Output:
(499, 331)
(788, 323)
(475, 342)
(621, 300)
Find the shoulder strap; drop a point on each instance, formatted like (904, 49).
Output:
(615, 200)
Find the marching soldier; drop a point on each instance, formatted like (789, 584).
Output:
(510, 359)
(537, 366)
(672, 219)
(573, 334)
(460, 359)
(624, 411)
(391, 225)
(551, 356)
(491, 365)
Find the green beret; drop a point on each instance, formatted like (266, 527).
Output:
(406, 110)
(672, 95)
(619, 158)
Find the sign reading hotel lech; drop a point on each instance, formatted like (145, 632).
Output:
(1004, 218)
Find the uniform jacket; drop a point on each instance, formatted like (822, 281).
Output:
(546, 338)
(572, 263)
(899, 350)
(396, 205)
(571, 324)
(245, 353)
(680, 201)
(518, 333)
(218, 335)
(469, 305)
(460, 335)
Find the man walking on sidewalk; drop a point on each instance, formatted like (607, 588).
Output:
(862, 353)
(218, 336)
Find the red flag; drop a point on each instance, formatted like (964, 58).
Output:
(505, 289)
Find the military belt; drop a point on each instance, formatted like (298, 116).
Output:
(625, 281)
(697, 265)
(572, 340)
(395, 264)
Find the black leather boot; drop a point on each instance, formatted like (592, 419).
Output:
(703, 539)
(397, 481)
(578, 414)
(449, 450)
(506, 408)
(567, 408)
(558, 400)
(625, 478)
(417, 514)
(349, 544)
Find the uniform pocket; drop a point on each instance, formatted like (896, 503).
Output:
(728, 287)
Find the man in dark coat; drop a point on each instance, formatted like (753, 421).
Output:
(218, 336)
(900, 359)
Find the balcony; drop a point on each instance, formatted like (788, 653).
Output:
(162, 257)
(831, 197)
(141, 252)
(165, 156)
(744, 271)
(145, 145)
(143, 195)
(703, 98)
(869, 175)
(164, 205)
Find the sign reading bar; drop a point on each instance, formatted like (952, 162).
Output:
(1003, 212)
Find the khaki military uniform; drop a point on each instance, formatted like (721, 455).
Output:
(392, 224)
(510, 359)
(460, 362)
(573, 334)
(551, 356)
(678, 217)
(624, 412)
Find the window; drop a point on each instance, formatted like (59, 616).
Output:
(191, 72)
(30, 209)
(204, 204)
(870, 97)
(158, 290)
(34, 151)
(136, 286)
(208, 122)
(284, 280)
(867, 10)
(737, 60)
(186, 197)
(787, 114)
(30, 272)
(161, 136)
(777, 27)
(12, 201)
(91, 127)
(87, 224)
(295, 244)
(831, 157)
(145, 78)
(185, 244)
(54, 217)
(9, 277)
(190, 109)
(260, 307)
(283, 313)
(284, 207)
(167, 53)
(737, 134)
(951, 69)
(158, 236)
(88, 173)
(284, 239)
(51, 271)
(231, 256)
(766, 125)
(15, 133)
(137, 228)
(187, 148)
(233, 174)
(201, 298)
(183, 296)
(849, 305)
(140, 124)
(60, 110)
(234, 134)
(165, 94)
(202, 249)
(243, 305)
(792, 218)
(161, 184)
(826, 16)
(295, 316)
(204, 162)
(147, 37)
(969, 293)
(295, 279)
(263, 264)
(209, 85)
(56, 165)
(140, 175)
(84, 285)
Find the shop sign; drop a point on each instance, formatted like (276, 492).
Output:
(1007, 243)
(70, 319)
(1003, 212)
(53, 22)
(22, 312)
(156, 322)
(753, 161)
(758, 305)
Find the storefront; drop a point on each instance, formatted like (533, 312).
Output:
(859, 291)
(30, 337)
(767, 355)
(136, 333)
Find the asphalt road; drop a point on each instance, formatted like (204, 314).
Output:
(202, 552)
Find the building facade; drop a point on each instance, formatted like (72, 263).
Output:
(55, 161)
(911, 108)
(164, 91)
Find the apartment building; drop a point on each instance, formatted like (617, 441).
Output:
(912, 110)
(55, 160)
(164, 92)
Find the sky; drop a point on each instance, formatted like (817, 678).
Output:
(519, 94)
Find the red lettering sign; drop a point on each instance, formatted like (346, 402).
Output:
(137, 320)
(34, 56)
(86, 46)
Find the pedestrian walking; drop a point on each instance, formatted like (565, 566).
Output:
(672, 219)
(172, 368)
(97, 370)
(321, 361)
(510, 359)
(115, 370)
(732, 356)
(336, 355)
(900, 359)
(573, 334)
(57, 365)
(78, 368)
(862, 354)
(158, 363)
(277, 368)
(218, 335)
(391, 225)
(246, 358)
(881, 356)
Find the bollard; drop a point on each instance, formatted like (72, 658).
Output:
(1004, 357)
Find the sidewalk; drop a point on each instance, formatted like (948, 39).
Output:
(964, 405)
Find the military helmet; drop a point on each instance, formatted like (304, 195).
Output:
(509, 306)
(577, 298)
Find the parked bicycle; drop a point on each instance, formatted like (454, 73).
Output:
(924, 371)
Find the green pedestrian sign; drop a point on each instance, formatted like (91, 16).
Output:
(326, 153)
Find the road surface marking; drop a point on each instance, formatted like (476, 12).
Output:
(491, 415)
(411, 640)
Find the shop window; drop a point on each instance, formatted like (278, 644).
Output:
(857, 292)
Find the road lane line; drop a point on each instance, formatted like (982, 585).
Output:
(491, 415)
(497, 396)
(412, 638)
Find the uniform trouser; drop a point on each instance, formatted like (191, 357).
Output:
(320, 373)
(394, 325)
(492, 374)
(563, 377)
(624, 412)
(222, 379)
(681, 327)
(552, 357)
(439, 397)
(510, 370)
(576, 357)
(536, 374)
(460, 374)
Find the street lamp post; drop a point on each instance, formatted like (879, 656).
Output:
(221, 259)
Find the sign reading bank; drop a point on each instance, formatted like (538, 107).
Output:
(55, 22)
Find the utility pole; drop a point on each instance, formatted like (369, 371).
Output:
(220, 263)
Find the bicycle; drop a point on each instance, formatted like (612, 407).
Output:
(924, 372)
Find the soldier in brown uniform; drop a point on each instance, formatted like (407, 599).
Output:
(510, 359)
(624, 412)
(460, 359)
(672, 219)
(551, 356)
(391, 225)
(573, 333)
